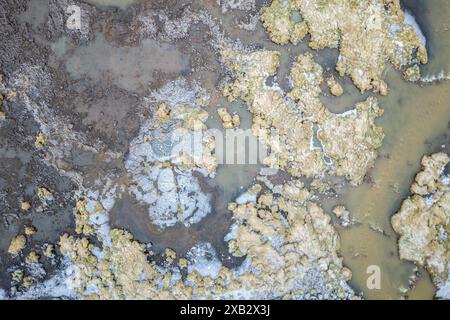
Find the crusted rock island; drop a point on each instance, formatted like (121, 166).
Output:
(423, 222)
(289, 245)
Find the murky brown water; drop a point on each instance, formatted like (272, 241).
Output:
(128, 67)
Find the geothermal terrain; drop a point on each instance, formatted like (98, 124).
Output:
(229, 149)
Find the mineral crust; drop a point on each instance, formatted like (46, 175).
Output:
(368, 34)
(289, 245)
(423, 222)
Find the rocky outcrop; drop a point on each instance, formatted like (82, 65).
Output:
(423, 222)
